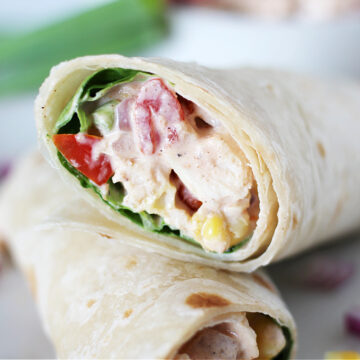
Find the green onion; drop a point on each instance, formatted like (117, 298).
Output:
(122, 26)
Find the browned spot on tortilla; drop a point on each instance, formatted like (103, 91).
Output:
(90, 303)
(295, 221)
(321, 149)
(131, 263)
(261, 281)
(31, 278)
(105, 236)
(270, 87)
(205, 300)
(127, 313)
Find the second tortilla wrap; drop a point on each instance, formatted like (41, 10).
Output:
(296, 137)
(99, 298)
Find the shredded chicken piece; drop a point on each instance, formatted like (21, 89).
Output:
(260, 338)
(158, 134)
(228, 340)
(270, 338)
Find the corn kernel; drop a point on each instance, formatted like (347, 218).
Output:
(342, 355)
(213, 227)
(214, 235)
(240, 230)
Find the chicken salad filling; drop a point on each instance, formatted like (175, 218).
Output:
(247, 336)
(159, 159)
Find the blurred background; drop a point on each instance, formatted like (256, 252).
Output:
(319, 37)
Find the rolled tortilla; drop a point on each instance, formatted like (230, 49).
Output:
(101, 298)
(293, 140)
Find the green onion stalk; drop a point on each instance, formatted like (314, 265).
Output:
(121, 26)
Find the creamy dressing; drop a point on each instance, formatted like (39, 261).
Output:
(229, 340)
(236, 339)
(205, 158)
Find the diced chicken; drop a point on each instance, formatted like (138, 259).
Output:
(270, 338)
(157, 112)
(122, 114)
(231, 340)
(151, 142)
(235, 339)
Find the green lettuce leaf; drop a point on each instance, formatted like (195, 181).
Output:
(91, 89)
(103, 117)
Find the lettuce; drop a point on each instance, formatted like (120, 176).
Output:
(91, 89)
(103, 117)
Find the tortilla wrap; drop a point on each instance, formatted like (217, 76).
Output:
(101, 298)
(299, 137)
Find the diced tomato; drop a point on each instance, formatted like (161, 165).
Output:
(144, 129)
(254, 205)
(183, 193)
(78, 150)
(156, 99)
(188, 199)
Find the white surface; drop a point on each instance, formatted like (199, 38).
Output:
(216, 39)
(21, 334)
(320, 314)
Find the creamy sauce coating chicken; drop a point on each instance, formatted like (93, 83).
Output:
(236, 339)
(175, 160)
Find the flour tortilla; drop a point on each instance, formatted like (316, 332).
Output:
(300, 136)
(101, 298)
